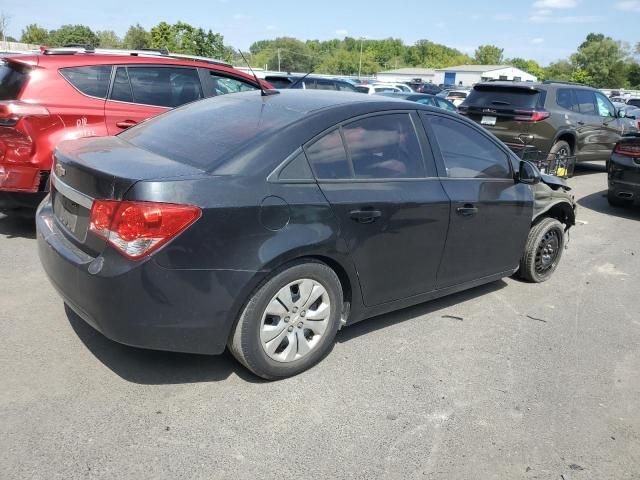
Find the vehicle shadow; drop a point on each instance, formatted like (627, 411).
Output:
(440, 305)
(589, 168)
(598, 203)
(152, 367)
(17, 227)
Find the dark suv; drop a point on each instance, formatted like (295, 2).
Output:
(309, 83)
(559, 118)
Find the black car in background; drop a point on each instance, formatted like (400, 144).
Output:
(299, 213)
(420, 87)
(309, 83)
(623, 172)
(424, 99)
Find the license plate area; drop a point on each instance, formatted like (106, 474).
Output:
(488, 120)
(70, 215)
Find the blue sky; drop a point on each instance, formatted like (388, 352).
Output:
(544, 30)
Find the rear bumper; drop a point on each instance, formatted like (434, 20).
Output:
(624, 177)
(141, 303)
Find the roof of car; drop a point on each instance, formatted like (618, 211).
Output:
(531, 85)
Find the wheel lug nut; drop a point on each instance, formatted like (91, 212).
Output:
(286, 319)
(295, 309)
(290, 329)
(300, 325)
(303, 313)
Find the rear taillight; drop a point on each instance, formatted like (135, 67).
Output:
(136, 229)
(530, 116)
(13, 110)
(628, 149)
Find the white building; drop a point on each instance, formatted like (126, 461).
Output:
(425, 75)
(468, 75)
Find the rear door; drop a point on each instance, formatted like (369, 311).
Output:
(140, 92)
(490, 213)
(392, 210)
(589, 125)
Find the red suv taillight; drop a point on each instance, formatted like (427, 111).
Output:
(136, 229)
(13, 110)
(530, 116)
(628, 149)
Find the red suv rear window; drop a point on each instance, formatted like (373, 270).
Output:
(12, 79)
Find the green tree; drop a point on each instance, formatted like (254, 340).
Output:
(603, 60)
(34, 34)
(581, 76)
(136, 38)
(433, 55)
(634, 75)
(488, 55)
(560, 70)
(109, 39)
(69, 34)
(529, 66)
(184, 38)
(290, 54)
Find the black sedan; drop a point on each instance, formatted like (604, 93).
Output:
(266, 223)
(424, 99)
(623, 172)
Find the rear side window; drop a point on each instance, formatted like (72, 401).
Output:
(566, 99)
(447, 105)
(503, 97)
(92, 81)
(223, 85)
(12, 79)
(426, 101)
(329, 158)
(362, 89)
(586, 101)
(325, 85)
(466, 152)
(634, 101)
(164, 86)
(384, 146)
(278, 82)
(121, 90)
(345, 87)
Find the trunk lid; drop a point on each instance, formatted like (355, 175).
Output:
(101, 168)
(500, 109)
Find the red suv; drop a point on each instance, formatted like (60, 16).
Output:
(67, 93)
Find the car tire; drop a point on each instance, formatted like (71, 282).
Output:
(558, 148)
(543, 251)
(272, 310)
(616, 201)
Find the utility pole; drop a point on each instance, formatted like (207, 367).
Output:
(360, 66)
(279, 60)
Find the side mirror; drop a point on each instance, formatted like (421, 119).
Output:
(529, 173)
(621, 113)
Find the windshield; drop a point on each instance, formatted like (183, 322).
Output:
(202, 134)
(507, 97)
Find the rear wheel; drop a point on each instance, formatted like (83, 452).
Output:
(543, 251)
(290, 321)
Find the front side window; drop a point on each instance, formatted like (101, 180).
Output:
(223, 85)
(92, 81)
(384, 146)
(466, 152)
(586, 101)
(605, 109)
(164, 86)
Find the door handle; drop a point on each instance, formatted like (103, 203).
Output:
(126, 123)
(365, 216)
(467, 210)
(581, 123)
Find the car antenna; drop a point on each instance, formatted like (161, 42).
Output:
(264, 92)
(301, 78)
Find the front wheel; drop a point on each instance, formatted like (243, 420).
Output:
(290, 322)
(543, 251)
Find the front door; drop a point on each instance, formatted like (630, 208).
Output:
(392, 211)
(611, 129)
(490, 213)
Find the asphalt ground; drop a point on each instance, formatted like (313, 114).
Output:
(505, 381)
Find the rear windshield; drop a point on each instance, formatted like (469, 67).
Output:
(205, 133)
(506, 97)
(12, 79)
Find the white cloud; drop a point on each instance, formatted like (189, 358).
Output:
(629, 6)
(341, 32)
(571, 19)
(555, 3)
(537, 41)
(503, 17)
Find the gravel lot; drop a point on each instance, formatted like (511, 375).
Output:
(530, 381)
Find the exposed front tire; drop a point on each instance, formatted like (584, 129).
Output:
(561, 151)
(290, 321)
(543, 251)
